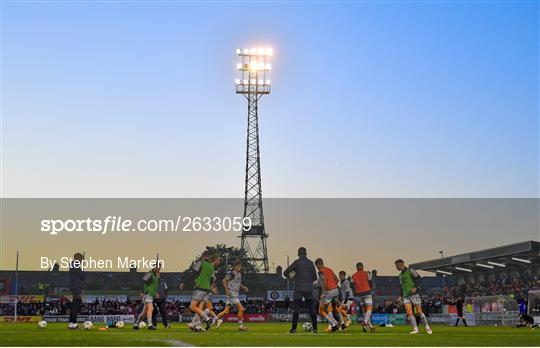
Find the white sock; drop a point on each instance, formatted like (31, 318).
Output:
(412, 320)
(424, 321)
(241, 322)
(331, 319)
(367, 318)
(196, 319)
(205, 314)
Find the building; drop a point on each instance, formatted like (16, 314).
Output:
(510, 261)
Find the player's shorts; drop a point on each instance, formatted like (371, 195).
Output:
(147, 299)
(329, 296)
(232, 298)
(347, 303)
(200, 295)
(415, 300)
(366, 300)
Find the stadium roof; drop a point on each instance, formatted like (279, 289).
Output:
(513, 255)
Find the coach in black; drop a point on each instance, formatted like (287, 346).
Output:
(76, 285)
(160, 303)
(304, 274)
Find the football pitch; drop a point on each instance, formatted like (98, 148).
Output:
(262, 334)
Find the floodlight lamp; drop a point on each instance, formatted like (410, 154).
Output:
(238, 51)
(239, 66)
(521, 260)
(255, 66)
(496, 264)
(246, 51)
(237, 81)
(485, 266)
(463, 269)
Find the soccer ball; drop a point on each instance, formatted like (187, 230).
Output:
(307, 326)
(119, 324)
(142, 325)
(42, 324)
(88, 325)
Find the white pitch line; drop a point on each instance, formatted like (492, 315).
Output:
(175, 343)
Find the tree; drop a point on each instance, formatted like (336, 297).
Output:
(228, 256)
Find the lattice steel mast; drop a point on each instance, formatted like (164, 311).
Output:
(253, 83)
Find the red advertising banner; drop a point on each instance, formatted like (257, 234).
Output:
(21, 298)
(20, 319)
(247, 318)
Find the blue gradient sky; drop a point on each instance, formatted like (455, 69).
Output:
(369, 99)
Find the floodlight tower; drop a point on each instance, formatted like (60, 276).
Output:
(253, 82)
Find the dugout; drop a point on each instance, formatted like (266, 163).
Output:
(533, 308)
(495, 310)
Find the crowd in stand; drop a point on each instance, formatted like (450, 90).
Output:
(512, 286)
(515, 287)
(115, 307)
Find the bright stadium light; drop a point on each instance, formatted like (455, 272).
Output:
(496, 264)
(237, 81)
(254, 68)
(463, 269)
(443, 272)
(485, 266)
(520, 260)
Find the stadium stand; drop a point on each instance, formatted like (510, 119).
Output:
(487, 280)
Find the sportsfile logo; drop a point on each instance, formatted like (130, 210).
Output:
(120, 224)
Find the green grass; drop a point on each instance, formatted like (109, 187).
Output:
(263, 334)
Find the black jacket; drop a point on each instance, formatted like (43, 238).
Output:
(76, 277)
(162, 289)
(305, 274)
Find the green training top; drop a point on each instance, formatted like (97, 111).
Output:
(205, 276)
(408, 280)
(150, 286)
